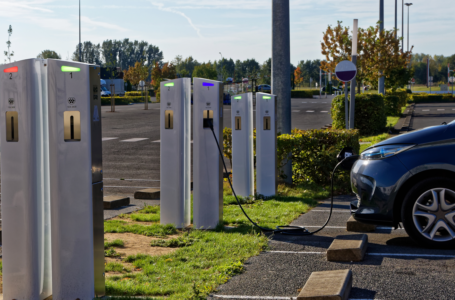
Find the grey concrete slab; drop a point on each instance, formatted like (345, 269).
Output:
(327, 285)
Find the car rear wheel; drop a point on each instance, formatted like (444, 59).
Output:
(428, 212)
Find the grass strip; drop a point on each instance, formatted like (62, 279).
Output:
(114, 243)
(118, 226)
(191, 272)
(181, 241)
(116, 267)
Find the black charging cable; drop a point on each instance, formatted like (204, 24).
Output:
(286, 229)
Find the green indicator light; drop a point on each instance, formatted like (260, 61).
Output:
(239, 97)
(266, 97)
(70, 69)
(169, 84)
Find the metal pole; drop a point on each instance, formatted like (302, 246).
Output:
(408, 28)
(80, 45)
(381, 28)
(281, 60)
(346, 104)
(402, 25)
(320, 82)
(353, 81)
(396, 17)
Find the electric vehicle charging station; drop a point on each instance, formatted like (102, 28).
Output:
(266, 142)
(207, 163)
(242, 144)
(175, 131)
(76, 180)
(25, 181)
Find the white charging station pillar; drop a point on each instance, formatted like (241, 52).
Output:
(266, 141)
(25, 181)
(207, 163)
(175, 132)
(242, 144)
(76, 180)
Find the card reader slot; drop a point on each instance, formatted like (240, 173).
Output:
(72, 126)
(168, 119)
(238, 123)
(267, 123)
(12, 128)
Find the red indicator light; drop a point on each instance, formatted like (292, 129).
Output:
(11, 70)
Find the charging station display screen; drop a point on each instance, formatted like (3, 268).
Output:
(237, 98)
(169, 84)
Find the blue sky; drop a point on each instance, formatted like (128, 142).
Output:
(239, 29)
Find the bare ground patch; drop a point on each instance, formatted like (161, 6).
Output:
(138, 244)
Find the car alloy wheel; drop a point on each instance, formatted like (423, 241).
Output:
(434, 213)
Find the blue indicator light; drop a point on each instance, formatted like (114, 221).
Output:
(207, 84)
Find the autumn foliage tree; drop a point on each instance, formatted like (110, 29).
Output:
(376, 51)
(159, 74)
(298, 75)
(137, 73)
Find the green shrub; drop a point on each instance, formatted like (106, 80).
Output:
(370, 117)
(302, 94)
(432, 98)
(118, 100)
(133, 93)
(392, 105)
(313, 152)
(402, 94)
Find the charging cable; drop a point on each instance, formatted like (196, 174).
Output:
(286, 229)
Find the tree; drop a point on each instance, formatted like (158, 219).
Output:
(136, 74)
(207, 71)
(184, 67)
(376, 51)
(159, 74)
(9, 53)
(266, 72)
(90, 53)
(48, 54)
(298, 75)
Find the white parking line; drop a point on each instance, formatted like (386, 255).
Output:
(109, 138)
(419, 255)
(333, 210)
(264, 297)
(129, 179)
(159, 141)
(310, 111)
(131, 187)
(324, 111)
(425, 110)
(296, 111)
(134, 140)
(313, 102)
(441, 109)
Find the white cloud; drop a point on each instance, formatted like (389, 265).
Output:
(86, 20)
(161, 7)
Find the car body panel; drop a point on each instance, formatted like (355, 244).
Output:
(378, 182)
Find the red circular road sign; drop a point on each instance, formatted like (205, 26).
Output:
(346, 71)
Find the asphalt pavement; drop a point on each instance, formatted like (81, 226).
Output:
(394, 267)
(431, 114)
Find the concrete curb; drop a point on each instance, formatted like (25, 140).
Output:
(356, 226)
(404, 122)
(348, 248)
(148, 194)
(113, 202)
(327, 285)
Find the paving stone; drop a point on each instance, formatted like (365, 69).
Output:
(356, 226)
(348, 248)
(113, 202)
(148, 194)
(327, 285)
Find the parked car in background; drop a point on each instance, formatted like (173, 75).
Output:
(119, 85)
(264, 88)
(334, 89)
(410, 179)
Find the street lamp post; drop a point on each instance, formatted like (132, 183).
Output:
(396, 18)
(402, 25)
(80, 45)
(408, 4)
(221, 66)
(381, 29)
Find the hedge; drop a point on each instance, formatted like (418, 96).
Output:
(402, 94)
(303, 93)
(313, 152)
(133, 94)
(392, 105)
(431, 98)
(370, 113)
(122, 100)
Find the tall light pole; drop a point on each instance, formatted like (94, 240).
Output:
(80, 45)
(408, 4)
(402, 25)
(381, 29)
(353, 81)
(221, 66)
(396, 18)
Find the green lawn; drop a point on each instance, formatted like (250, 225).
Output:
(204, 259)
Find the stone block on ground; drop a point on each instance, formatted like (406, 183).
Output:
(327, 285)
(356, 226)
(113, 202)
(348, 248)
(148, 194)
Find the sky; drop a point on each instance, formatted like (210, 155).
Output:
(238, 29)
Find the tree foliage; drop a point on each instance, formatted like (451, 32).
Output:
(298, 75)
(376, 51)
(159, 74)
(136, 74)
(48, 54)
(207, 70)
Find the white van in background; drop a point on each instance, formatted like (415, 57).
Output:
(104, 91)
